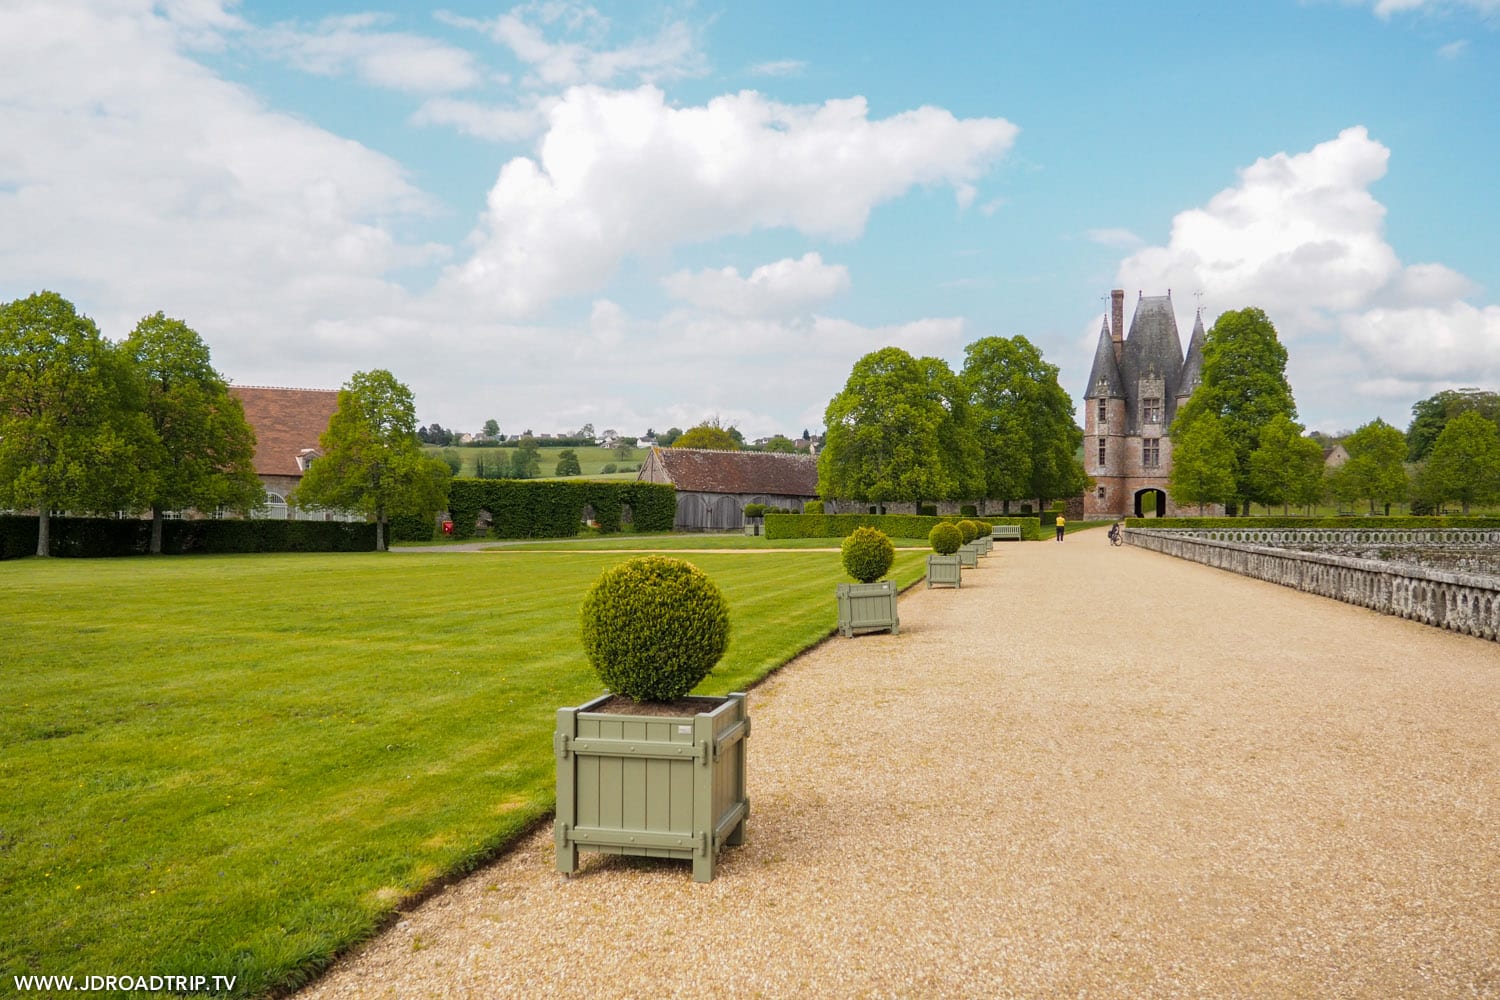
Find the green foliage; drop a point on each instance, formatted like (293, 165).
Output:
(453, 460)
(73, 433)
(413, 528)
(753, 510)
(780, 444)
(653, 627)
(867, 554)
(1244, 386)
(968, 510)
(1376, 470)
(1285, 467)
(524, 462)
(371, 460)
(555, 509)
(945, 538)
(668, 437)
(1202, 462)
(609, 468)
(894, 525)
(813, 507)
(1431, 415)
(202, 455)
(1024, 421)
(927, 509)
(968, 530)
(709, 435)
(1464, 464)
(567, 463)
(898, 431)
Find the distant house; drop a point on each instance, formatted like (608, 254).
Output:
(1334, 456)
(287, 424)
(714, 486)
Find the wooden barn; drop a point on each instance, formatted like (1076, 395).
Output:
(714, 486)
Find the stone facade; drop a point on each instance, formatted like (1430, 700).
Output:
(1138, 382)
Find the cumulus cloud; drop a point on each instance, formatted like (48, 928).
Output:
(1387, 8)
(1301, 236)
(779, 67)
(1115, 238)
(781, 288)
(624, 172)
(496, 123)
(355, 44)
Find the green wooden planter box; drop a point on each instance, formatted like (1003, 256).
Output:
(968, 554)
(985, 543)
(752, 529)
(944, 571)
(651, 786)
(868, 607)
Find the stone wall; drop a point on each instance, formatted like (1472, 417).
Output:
(1461, 602)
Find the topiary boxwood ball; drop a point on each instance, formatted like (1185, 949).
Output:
(653, 627)
(968, 529)
(868, 553)
(945, 538)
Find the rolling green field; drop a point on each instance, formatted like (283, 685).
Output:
(591, 460)
(240, 765)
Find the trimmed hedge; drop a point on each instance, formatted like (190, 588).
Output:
(521, 508)
(653, 627)
(99, 537)
(413, 527)
(894, 525)
(945, 538)
(1323, 523)
(867, 554)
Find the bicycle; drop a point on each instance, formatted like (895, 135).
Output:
(1115, 537)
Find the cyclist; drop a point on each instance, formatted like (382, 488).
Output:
(1114, 534)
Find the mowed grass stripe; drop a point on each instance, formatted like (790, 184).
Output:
(238, 765)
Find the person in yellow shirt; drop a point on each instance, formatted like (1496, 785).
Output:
(1062, 522)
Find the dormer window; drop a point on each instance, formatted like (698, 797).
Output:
(305, 459)
(1151, 410)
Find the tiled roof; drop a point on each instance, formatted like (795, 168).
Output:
(1153, 346)
(287, 422)
(1104, 377)
(698, 470)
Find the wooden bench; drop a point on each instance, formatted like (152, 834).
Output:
(1006, 532)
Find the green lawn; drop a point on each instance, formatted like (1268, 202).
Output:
(239, 765)
(664, 542)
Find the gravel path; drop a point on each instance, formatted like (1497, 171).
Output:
(1088, 773)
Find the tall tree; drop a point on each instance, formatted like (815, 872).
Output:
(492, 428)
(883, 442)
(525, 462)
(669, 437)
(1285, 467)
(958, 436)
(72, 433)
(567, 463)
(203, 452)
(1431, 415)
(1202, 464)
(1244, 385)
(1464, 464)
(1024, 420)
(371, 460)
(780, 444)
(1376, 469)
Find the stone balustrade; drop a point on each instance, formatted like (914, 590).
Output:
(1461, 602)
(1300, 537)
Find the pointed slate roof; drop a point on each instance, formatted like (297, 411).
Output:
(1192, 365)
(700, 470)
(1153, 346)
(1104, 377)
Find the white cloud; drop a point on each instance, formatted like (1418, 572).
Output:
(612, 161)
(336, 46)
(672, 54)
(779, 67)
(1386, 8)
(1302, 237)
(1123, 238)
(484, 121)
(781, 288)
(1453, 49)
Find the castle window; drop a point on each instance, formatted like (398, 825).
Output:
(1151, 410)
(1151, 452)
(1103, 409)
(1101, 493)
(1101, 450)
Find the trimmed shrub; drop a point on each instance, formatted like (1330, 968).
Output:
(523, 509)
(985, 529)
(894, 525)
(867, 554)
(653, 627)
(968, 510)
(927, 509)
(100, 537)
(945, 538)
(413, 527)
(609, 467)
(754, 510)
(813, 507)
(969, 530)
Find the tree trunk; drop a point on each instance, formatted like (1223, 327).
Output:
(156, 520)
(380, 531)
(43, 525)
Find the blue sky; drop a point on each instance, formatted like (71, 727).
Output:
(639, 215)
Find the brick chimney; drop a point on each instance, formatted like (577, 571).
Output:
(1117, 320)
